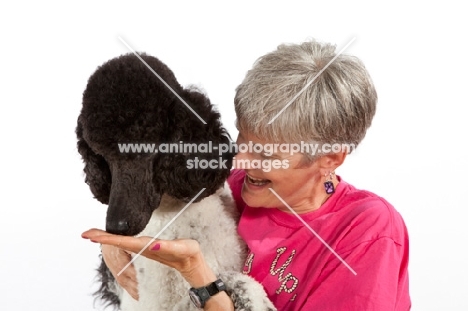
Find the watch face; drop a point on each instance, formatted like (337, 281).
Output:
(194, 297)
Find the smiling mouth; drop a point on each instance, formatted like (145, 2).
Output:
(256, 181)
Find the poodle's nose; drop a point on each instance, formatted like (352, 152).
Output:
(117, 227)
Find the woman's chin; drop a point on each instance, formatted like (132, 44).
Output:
(256, 196)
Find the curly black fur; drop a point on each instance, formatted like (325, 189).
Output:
(106, 291)
(124, 102)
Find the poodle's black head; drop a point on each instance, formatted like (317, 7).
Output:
(126, 103)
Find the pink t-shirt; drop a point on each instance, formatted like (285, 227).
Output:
(299, 272)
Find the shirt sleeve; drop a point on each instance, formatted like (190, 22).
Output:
(380, 282)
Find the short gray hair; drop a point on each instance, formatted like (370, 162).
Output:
(337, 107)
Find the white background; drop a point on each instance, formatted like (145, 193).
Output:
(414, 154)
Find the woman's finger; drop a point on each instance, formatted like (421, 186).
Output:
(93, 233)
(103, 237)
(128, 243)
(130, 285)
(116, 259)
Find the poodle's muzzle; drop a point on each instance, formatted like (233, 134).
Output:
(133, 197)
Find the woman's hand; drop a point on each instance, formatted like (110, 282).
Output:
(116, 259)
(184, 255)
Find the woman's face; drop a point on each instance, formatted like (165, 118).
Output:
(297, 183)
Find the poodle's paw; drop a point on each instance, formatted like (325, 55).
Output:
(246, 293)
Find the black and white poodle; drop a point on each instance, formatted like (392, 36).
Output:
(126, 103)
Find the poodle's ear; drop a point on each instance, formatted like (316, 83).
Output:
(183, 175)
(98, 175)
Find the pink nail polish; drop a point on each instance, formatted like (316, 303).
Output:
(156, 247)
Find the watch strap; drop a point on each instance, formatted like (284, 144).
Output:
(204, 293)
(216, 287)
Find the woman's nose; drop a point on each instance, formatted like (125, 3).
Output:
(244, 156)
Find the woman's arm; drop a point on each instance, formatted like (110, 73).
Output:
(201, 275)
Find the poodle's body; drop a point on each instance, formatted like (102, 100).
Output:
(124, 102)
(212, 223)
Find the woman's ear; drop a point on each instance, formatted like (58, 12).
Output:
(332, 161)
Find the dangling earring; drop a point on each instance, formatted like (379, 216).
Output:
(329, 187)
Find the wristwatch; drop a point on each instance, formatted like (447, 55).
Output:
(199, 296)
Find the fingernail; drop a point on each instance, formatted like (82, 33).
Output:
(156, 247)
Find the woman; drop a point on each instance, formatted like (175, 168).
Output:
(315, 241)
